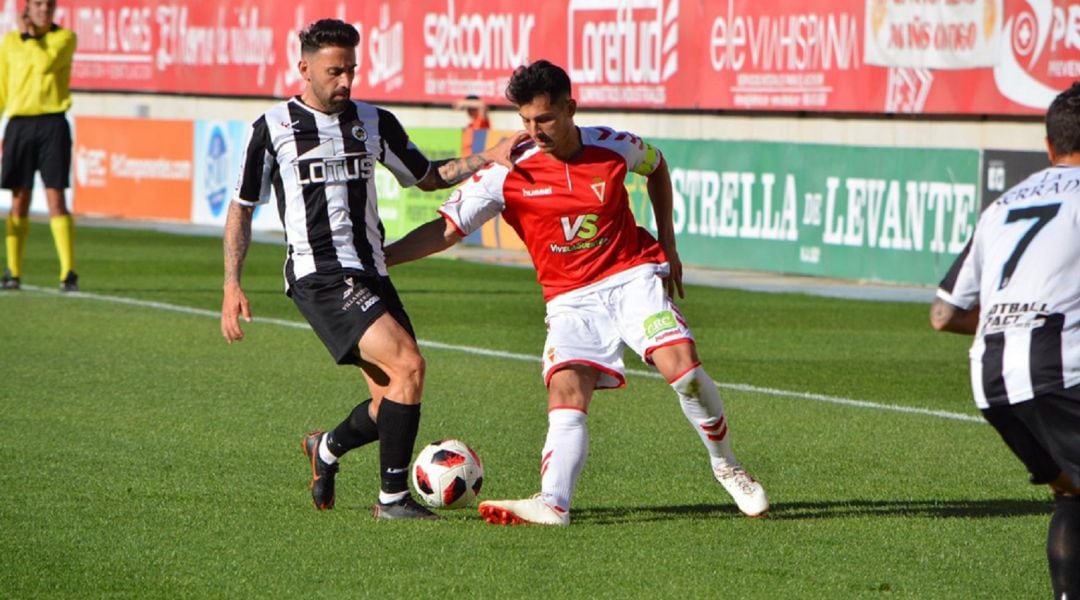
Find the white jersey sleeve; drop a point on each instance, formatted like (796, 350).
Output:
(477, 201)
(641, 157)
(961, 285)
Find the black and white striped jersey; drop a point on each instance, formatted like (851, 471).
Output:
(320, 169)
(1022, 269)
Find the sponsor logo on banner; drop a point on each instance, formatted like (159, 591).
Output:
(473, 52)
(623, 52)
(136, 42)
(219, 152)
(133, 168)
(908, 215)
(960, 34)
(215, 171)
(386, 52)
(1040, 52)
(913, 37)
(782, 58)
(91, 166)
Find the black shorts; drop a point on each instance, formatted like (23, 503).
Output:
(1044, 433)
(341, 306)
(41, 143)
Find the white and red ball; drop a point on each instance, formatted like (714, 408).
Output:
(448, 474)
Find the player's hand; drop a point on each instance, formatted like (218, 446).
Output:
(500, 153)
(233, 307)
(673, 281)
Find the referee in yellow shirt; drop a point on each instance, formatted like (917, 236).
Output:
(35, 73)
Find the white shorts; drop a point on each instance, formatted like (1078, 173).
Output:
(595, 324)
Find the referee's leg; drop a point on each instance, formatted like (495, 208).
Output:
(16, 230)
(63, 231)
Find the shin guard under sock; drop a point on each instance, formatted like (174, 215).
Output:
(701, 403)
(356, 430)
(398, 424)
(564, 454)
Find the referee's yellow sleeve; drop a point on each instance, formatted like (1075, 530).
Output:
(35, 73)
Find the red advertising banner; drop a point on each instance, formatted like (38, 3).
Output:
(995, 57)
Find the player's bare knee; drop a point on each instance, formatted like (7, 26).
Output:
(410, 368)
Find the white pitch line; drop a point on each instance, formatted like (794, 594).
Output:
(740, 387)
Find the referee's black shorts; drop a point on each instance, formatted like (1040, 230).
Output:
(40, 143)
(1044, 433)
(341, 306)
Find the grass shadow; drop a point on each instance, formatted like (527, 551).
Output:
(838, 509)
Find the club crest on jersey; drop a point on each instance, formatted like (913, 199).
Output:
(358, 133)
(326, 163)
(599, 186)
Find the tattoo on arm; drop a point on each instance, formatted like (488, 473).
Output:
(236, 242)
(455, 170)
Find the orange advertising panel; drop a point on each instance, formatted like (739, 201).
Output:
(133, 168)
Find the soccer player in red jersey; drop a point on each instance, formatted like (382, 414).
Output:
(607, 283)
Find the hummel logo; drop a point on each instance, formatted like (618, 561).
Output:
(544, 191)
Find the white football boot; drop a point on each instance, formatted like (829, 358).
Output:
(748, 494)
(530, 511)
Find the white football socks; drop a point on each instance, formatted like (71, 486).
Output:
(701, 403)
(563, 456)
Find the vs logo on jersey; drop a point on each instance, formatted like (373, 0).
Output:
(583, 226)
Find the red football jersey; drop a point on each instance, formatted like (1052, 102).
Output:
(573, 216)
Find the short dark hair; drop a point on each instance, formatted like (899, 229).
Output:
(1063, 121)
(541, 77)
(328, 32)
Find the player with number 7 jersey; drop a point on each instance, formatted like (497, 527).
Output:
(1020, 270)
(1016, 287)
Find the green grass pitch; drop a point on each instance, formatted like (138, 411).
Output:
(144, 457)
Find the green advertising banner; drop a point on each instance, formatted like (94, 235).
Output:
(402, 210)
(895, 215)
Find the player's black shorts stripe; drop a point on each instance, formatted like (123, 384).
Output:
(992, 367)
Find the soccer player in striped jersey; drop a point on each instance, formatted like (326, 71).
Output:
(1016, 287)
(607, 283)
(315, 155)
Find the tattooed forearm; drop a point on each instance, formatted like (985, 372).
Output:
(236, 242)
(456, 170)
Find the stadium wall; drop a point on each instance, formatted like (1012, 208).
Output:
(846, 138)
(763, 192)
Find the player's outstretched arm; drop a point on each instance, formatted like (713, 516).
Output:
(946, 317)
(660, 195)
(448, 173)
(431, 237)
(237, 239)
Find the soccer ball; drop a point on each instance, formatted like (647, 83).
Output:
(448, 474)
